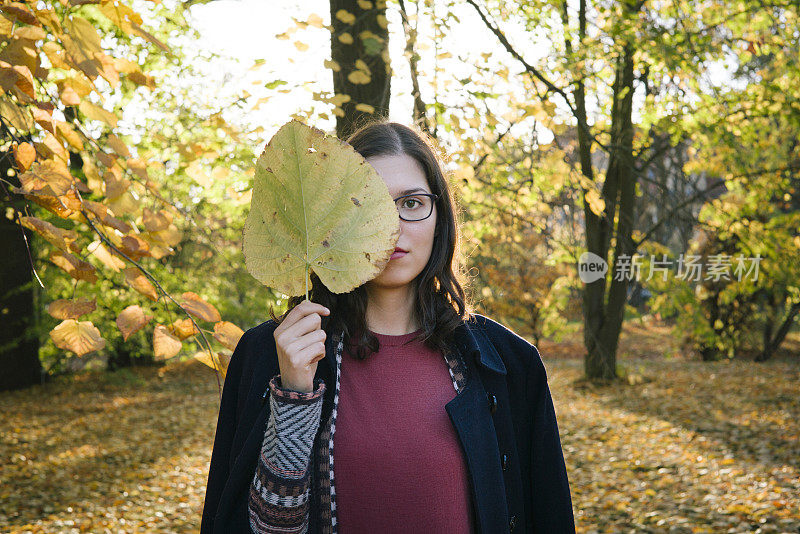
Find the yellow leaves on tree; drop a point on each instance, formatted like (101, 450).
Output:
(139, 282)
(81, 337)
(218, 361)
(596, 202)
(165, 345)
(24, 155)
(345, 16)
(97, 113)
(199, 308)
(361, 75)
(71, 309)
(53, 59)
(131, 320)
(74, 266)
(227, 333)
(183, 329)
(63, 239)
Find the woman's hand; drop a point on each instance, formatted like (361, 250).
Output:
(301, 344)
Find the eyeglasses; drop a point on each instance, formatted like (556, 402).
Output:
(415, 207)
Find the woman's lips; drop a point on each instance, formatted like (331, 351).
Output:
(398, 254)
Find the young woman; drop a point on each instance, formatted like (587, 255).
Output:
(391, 408)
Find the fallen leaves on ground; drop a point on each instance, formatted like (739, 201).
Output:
(700, 447)
(695, 447)
(108, 452)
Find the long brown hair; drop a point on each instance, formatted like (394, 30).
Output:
(440, 301)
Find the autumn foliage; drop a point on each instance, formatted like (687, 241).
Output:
(69, 159)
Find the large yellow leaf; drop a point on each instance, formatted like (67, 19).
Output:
(81, 337)
(317, 205)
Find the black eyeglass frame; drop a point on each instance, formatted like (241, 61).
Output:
(434, 196)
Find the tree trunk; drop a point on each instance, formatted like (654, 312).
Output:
(369, 50)
(771, 343)
(19, 344)
(603, 320)
(420, 115)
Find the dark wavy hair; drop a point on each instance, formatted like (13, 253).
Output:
(440, 301)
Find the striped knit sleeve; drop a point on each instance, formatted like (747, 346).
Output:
(279, 493)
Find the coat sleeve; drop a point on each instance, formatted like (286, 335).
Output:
(552, 502)
(226, 427)
(279, 492)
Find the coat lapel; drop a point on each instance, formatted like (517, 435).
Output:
(244, 466)
(469, 413)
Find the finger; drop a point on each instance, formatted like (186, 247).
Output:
(304, 309)
(307, 324)
(307, 306)
(315, 336)
(312, 353)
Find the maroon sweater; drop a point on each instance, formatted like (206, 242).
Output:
(398, 463)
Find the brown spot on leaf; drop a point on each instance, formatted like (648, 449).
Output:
(367, 255)
(325, 243)
(355, 201)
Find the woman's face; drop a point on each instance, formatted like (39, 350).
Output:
(404, 175)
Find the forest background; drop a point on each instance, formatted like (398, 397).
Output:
(659, 139)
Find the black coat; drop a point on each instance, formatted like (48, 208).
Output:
(504, 417)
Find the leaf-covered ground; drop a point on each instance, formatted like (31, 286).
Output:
(703, 447)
